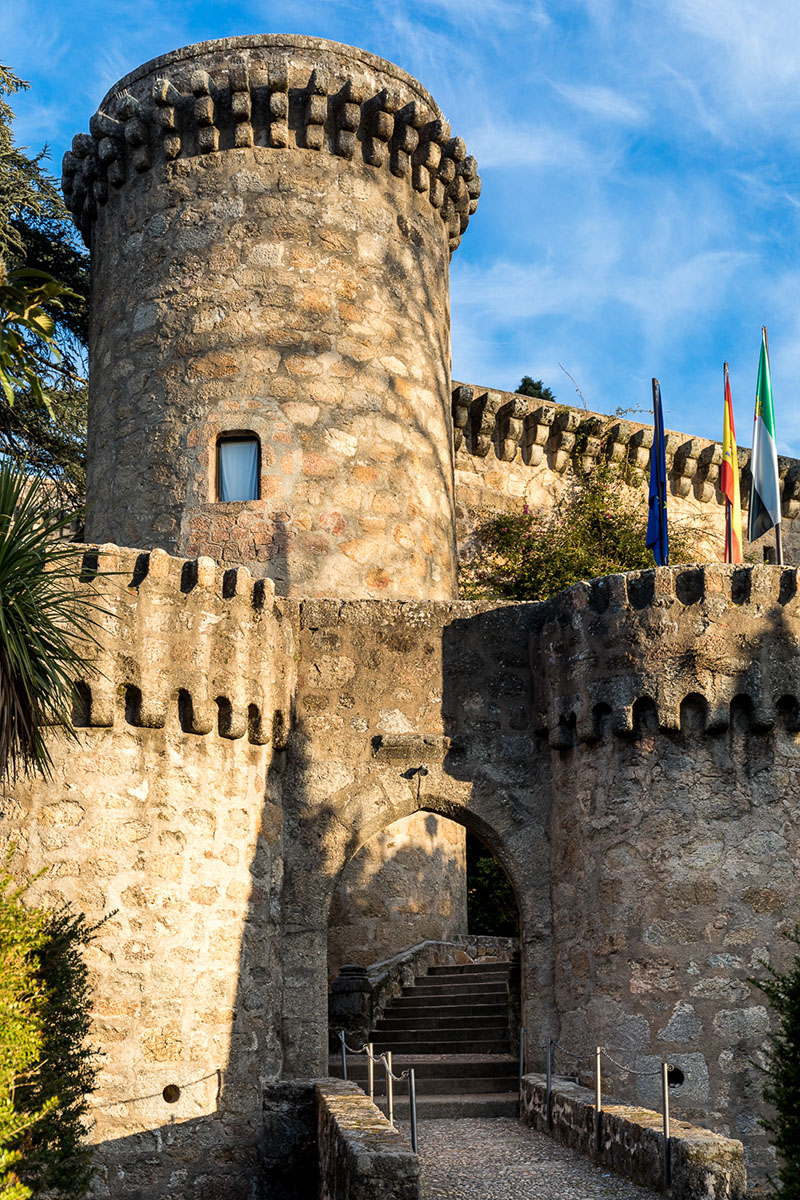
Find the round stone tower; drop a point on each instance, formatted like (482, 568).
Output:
(271, 220)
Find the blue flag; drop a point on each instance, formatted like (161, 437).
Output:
(657, 538)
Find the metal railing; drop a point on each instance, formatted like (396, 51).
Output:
(600, 1052)
(391, 1079)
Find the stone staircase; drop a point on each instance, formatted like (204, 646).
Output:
(452, 1027)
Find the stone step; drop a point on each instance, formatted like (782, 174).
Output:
(441, 1034)
(465, 977)
(439, 1066)
(432, 1108)
(440, 1085)
(471, 968)
(446, 1004)
(471, 1045)
(466, 1019)
(437, 988)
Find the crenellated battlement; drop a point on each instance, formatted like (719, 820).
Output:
(548, 436)
(674, 648)
(184, 640)
(280, 94)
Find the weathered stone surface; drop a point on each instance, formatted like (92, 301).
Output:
(216, 809)
(283, 285)
(408, 884)
(704, 1166)
(281, 211)
(361, 1156)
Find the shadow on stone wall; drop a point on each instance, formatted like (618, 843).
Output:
(407, 884)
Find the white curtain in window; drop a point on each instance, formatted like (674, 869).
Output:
(238, 469)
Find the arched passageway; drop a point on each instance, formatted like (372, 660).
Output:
(331, 851)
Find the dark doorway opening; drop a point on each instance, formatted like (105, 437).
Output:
(491, 904)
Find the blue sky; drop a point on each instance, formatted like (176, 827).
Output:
(640, 164)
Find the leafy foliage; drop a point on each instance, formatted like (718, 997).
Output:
(43, 620)
(36, 234)
(46, 1068)
(491, 905)
(595, 529)
(534, 387)
(782, 1089)
(27, 342)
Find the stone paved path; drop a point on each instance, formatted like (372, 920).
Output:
(501, 1159)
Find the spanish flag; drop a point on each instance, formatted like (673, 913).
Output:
(729, 482)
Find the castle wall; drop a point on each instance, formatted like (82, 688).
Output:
(408, 884)
(515, 450)
(671, 701)
(282, 211)
(383, 689)
(627, 750)
(163, 820)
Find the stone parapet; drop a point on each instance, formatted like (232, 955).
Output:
(281, 93)
(704, 1165)
(361, 1156)
(533, 431)
(682, 647)
(186, 634)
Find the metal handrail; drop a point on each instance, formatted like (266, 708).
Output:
(386, 1059)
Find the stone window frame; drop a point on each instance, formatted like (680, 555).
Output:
(235, 435)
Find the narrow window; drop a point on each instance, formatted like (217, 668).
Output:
(238, 467)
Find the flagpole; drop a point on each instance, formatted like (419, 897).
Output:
(728, 521)
(778, 538)
(662, 499)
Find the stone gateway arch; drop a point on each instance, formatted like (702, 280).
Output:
(271, 221)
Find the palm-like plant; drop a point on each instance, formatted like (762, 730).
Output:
(45, 621)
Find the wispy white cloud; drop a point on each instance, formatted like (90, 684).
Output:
(604, 103)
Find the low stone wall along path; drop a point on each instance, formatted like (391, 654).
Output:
(501, 1159)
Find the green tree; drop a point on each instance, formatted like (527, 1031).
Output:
(46, 1067)
(596, 528)
(782, 1088)
(491, 904)
(36, 233)
(534, 387)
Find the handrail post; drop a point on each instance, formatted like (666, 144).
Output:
(667, 1147)
(549, 1110)
(521, 1056)
(598, 1102)
(412, 1108)
(344, 1054)
(370, 1071)
(387, 1059)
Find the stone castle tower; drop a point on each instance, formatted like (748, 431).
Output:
(272, 430)
(271, 221)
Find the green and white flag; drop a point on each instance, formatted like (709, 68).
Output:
(765, 487)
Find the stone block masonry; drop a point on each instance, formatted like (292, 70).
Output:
(361, 1156)
(282, 211)
(628, 750)
(271, 221)
(704, 1166)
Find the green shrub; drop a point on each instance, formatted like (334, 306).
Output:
(782, 1087)
(46, 1066)
(596, 528)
